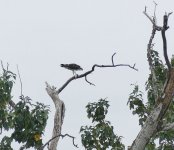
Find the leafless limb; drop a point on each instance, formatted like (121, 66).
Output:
(89, 82)
(163, 30)
(153, 21)
(20, 79)
(92, 70)
(168, 126)
(3, 65)
(155, 12)
(165, 27)
(113, 59)
(61, 135)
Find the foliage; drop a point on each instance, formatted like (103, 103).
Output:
(160, 77)
(26, 120)
(165, 138)
(136, 103)
(100, 136)
(172, 61)
(6, 84)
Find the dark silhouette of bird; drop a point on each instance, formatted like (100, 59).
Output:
(73, 67)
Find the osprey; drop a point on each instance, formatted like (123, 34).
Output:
(72, 67)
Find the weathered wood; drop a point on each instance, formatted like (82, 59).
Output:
(58, 117)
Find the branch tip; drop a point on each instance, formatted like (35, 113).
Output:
(113, 59)
(88, 81)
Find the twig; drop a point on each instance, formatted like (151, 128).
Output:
(113, 59)
(152, 21)
(2, 65)
(92, 70)
(88, 81)
(155, 11)
(47, 143)
(20, 79)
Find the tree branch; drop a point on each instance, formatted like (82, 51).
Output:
(113, 59)
(88, 81)
(165, 27)
(61, 135)
(92, 70)
(150, 46)
(153, 20)
(149, 57)
(168, 126)
(20, 79)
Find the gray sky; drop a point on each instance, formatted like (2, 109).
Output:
(40, 35)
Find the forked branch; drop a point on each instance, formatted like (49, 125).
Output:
(61, 135)
(92, 70)
(163, 30)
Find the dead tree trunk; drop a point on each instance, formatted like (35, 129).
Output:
(58, 117)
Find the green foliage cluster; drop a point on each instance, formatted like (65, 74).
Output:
(172, 61)
(165, 138)
(6, 84)
(160, 75)
(101, 135)
(136, 103)
(27, 121)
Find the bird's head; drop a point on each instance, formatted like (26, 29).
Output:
(62, 65)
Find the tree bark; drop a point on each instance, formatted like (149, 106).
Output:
(59, 116)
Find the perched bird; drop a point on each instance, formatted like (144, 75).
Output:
(72, 67)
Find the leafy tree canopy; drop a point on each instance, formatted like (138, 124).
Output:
(100, 136)
(26, 120)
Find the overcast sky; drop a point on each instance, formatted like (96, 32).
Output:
(39, 35)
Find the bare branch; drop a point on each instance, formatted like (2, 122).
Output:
(168, 126)
(61, 135)
(88, 81)
(165, 27)
(153, 21)
(113, 59)
(144, 12)
(20, 79)
(154, 15)
(92, 70)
